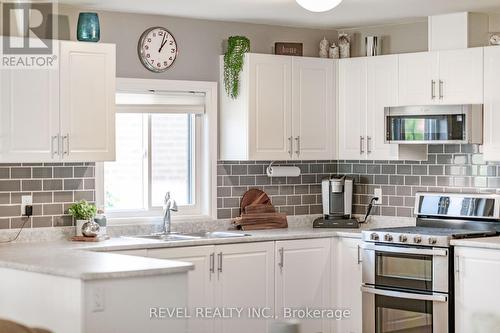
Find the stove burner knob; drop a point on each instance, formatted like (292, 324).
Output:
(388, 238)
(432, 240)
(374, 236)
(417, 239)
(403, 238)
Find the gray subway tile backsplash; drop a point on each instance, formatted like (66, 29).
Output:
(53, 186)
(449, 168)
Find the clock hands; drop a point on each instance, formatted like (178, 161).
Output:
(163, 42)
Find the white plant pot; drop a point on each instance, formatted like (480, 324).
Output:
(79, 224)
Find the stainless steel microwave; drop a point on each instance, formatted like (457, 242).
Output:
(434, 124)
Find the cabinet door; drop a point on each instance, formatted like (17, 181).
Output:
(201, 280)
(346, 292)
(303, 279)
(491, 135)
(382, 91)
(461, 76)
(418, 78)
(477, 290)
(313, 109)
(352, 109)
(245, 279)
(270, 112)
(88, 101)
(29, 115)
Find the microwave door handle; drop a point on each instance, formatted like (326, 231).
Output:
(399, 294)
(405, 250)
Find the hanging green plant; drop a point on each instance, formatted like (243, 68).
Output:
(233, 63)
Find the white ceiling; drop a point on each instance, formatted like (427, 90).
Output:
(351, 13)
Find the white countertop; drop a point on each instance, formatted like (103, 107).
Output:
(87, 261)
(485, 242)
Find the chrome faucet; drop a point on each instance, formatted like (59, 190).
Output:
(169, 206)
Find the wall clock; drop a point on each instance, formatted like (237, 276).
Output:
(157, 49)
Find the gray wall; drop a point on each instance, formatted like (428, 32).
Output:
(200, 41)
(396, 38)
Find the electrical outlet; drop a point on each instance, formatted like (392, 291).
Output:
(378, 193)
(97, 299)
(26, 200)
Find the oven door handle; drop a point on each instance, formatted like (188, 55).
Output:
(406, 250)
(399, 294)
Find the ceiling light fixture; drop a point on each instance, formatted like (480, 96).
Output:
(318, 6)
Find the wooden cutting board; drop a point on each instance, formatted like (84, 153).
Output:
(254, 197)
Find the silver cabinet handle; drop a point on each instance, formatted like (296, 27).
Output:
(219, 268)
(54, 139)
(359, 255)
(441, 88)
(435, 297)
(67, 144)
(65, 148)
(297, 139)
(290, 146)
(368, 140)
(282, 258)
(433, 89)
(361, 144)
(212, 263)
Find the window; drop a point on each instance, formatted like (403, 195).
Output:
(155, 153)
(159, 148)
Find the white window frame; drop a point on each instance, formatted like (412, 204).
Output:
(206, 154)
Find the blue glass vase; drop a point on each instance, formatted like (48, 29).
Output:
(88, 27)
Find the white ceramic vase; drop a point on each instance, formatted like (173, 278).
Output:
(79, 225)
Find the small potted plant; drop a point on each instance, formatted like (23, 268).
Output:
(82, 212)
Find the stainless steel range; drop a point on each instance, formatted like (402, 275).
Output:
(407, 271)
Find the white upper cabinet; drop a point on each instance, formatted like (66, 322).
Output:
(382, 91)
(60, 114)
(444, 77)
(312, 108)
(418, 78)
(366, 86)
(461, 76)
(29, 115)
(285, 110)
(270, 108)
(87, 101)
(491, 134)
(352, 108)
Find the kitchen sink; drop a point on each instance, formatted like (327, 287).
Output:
(168, 238)
(218, 234)
(193, 236)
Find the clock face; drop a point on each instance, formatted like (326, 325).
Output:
(157, 49)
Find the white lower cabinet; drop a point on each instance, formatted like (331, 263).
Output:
(201, 279)
(227, 276)
(346, 283)
(303, 280)
(280, 278)
(245, 279)
(477, 290)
